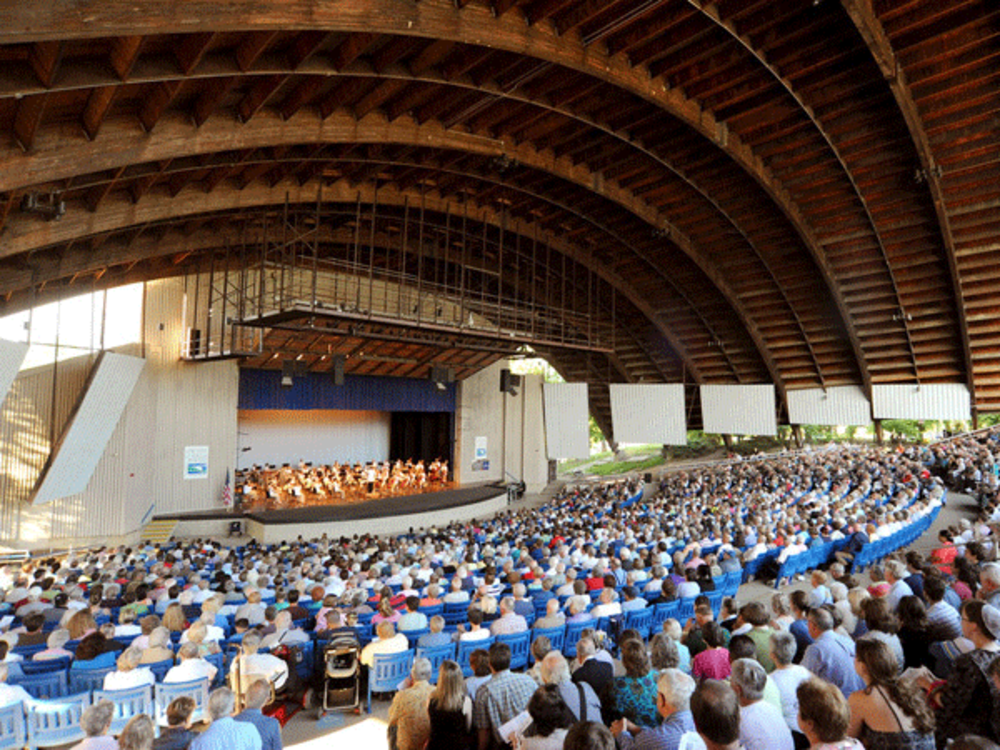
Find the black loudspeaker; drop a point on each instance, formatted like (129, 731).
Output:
(441, 374)
(509, 382)
(194, 342)
(648, 478)
(337, 371)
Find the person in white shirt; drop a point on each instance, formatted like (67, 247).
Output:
(191, 667)
(284, 633)
(608, 606)
(251, 665)
(127, 629)
(213, 633)
(389, 642)
(129, 674)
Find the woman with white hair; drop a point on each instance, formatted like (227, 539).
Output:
(129, 673)
(95, 723)
(159, 647)
(55, 644)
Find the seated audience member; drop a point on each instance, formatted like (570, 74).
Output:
(762, 726)
(55, 643)
(225, 733)
(914, 633)
(388, 642)
(882, 626)
(475, 631)
(787, 677)
(672, 629)
(824, 716)
(500, 699)
(967, 699)
(830, 656)
(551, 719)
(554, 618)
(129, 674)
(449, 710)
(409, 723)
(10, 694)
(715, 711)
(583, 702)
(608, 606)
(595, 672)
(257, 696)
(589, 735)
(251, 665)
(437, 636)
(509, 621)
(127, 628)
(177, 735)
(634, 696)
(713, 662)
(147, 625)
(138, 734)
(673, 698)
(285, 634)
(479, 661)
(191, 666)
(888, 713)
(95, 723)
(945, 624)
(413, 619)
(159, 647)
(32, 634)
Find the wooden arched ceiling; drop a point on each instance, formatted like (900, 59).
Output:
(779, 191)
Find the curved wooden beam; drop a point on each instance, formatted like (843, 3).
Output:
(119, 215)
(119, 143)
(863, 14)
(435, 19)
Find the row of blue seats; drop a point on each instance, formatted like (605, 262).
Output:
(38, 726)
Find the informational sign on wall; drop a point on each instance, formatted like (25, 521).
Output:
(196, 462)
(481, 452)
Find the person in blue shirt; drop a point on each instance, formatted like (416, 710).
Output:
(225, 733)
(258, 695)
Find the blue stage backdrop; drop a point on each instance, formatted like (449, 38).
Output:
(262, 389)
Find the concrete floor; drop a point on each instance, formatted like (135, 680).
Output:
(349, 730)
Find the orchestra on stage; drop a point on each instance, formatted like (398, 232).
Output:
(272, 487)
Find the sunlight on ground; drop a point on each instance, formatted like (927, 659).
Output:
(368, 733)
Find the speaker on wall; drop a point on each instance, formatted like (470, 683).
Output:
(337, 371)
(194, 342)
(509, 382)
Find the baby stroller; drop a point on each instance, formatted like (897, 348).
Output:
(342, 677)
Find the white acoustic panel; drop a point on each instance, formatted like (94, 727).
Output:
(74, 458)
(12, 356)
(739, 409)
(567, 429)
(843, 405)
(932, 401)
(652, 413)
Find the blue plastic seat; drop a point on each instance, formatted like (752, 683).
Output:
(58, 724)
(61, 664)
(13, 727)
(128, 703)
(81, 680)
(640, 620)
(556, 636)
(164, 693)
(414, 635)
(465, 648)
(520, 646)
(436, 655)
(160, 668)
(573, 631)
(387, 671)
(44, 685)
(219, 662)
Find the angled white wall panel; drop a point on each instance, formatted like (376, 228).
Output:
(739, 409)
(73, 461)
(12, 355)
(652, 413)
(567, 432)
(931, 401)
(843, 405)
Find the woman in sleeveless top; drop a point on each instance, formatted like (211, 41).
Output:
(450, 711)
(967, 699)
(887, 715)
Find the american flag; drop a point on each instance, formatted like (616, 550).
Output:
(227, 492)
